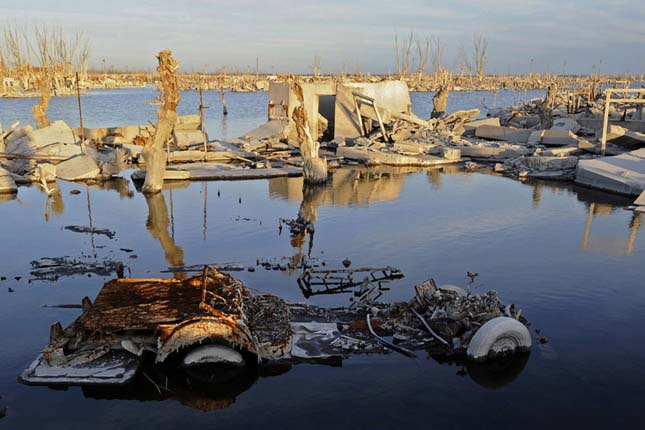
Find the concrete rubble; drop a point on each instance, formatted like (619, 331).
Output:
(212, 319)
(369, 123)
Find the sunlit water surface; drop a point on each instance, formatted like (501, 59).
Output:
(572, 259)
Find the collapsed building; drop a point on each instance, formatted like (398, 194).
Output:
(563, 137)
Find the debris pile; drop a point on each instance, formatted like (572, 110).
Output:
(214, 319)
(368, 123)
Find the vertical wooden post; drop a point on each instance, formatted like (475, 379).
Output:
(202, 122)
(605, 122)
(80, 111)
(223, 97)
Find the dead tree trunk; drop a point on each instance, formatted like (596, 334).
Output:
(440, 102)
(314, 168)
(546, 108)
(40, 110)
(153, 152)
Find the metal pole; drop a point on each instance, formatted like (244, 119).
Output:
(202, 122)
(80, 111)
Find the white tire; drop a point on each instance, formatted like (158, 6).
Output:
(500, 335)
(213, 354)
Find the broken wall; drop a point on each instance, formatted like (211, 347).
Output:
(389, 95)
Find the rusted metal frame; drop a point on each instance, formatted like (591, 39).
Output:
(360, 99)
(608, 101)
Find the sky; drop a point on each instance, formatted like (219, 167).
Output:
(571, 36)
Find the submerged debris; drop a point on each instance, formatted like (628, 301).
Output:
(91, 230)
(53, 268)
(166, 319)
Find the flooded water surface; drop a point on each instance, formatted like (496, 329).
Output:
(572, 259)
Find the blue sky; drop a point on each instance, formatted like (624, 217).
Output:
(355, 35)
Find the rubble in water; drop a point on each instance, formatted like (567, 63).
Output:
(369, 123)
(167, 319)
(51, 269)
(91, 230)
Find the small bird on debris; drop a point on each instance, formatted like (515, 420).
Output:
(11, 290)
(472, 275)
(347, 262)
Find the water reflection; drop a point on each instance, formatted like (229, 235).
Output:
(610, 245)
(158, 224)
(199, 389)
(54, 203)
(347, 187)
(209, 389)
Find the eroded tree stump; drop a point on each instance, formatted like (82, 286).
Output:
(40, 110)
(153, 152)
(314, 168)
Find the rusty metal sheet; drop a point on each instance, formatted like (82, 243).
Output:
(144, 304)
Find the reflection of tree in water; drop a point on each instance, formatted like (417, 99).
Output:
(312, 198)
(54, 203)
(158, 224)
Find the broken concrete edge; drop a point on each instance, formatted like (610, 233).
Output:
(621, 174)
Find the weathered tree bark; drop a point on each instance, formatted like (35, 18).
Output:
(40, 110)
(314, 168)
(440, 102)
(545, 110)
(153, 152)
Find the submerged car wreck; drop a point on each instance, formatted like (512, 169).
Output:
(213, 320)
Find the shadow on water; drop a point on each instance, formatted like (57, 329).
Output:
(206, 388)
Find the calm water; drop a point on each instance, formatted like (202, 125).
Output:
(571, 258)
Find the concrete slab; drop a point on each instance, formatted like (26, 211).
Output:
(558, 138)
(7, 184)
(497, 151)
(185, 138)
(78, 168)
(640, 201)
(275, 128)
(371, 157)
(508, 134)
(624, 174)
(470, 127)
(169, 175)
(30, 141)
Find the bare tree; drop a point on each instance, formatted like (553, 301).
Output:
(438, 46)
(40, 110)
(463, 61)
(167, 118)
(423, 54)
(52, 49)
(480, 48)
(402, 51)
(316, 65)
